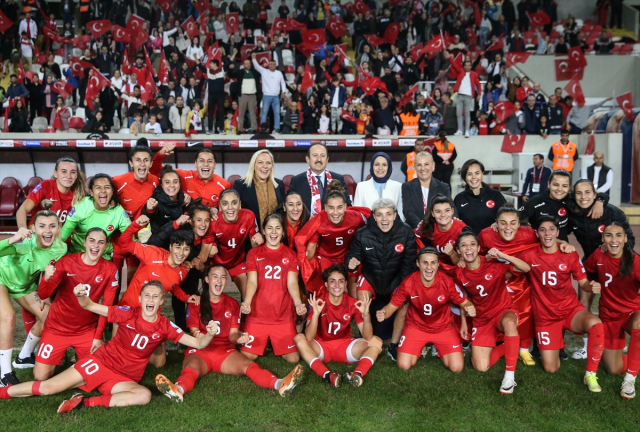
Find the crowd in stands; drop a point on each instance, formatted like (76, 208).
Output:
(218, 67)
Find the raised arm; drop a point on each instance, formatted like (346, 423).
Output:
(519, 266)
(200, 342)
(87, 304)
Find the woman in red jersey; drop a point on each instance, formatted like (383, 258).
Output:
(327, 237)
(440, 229)
(221, 355)
(65, 189)
(555, 304)
(67, 323)
(485, 283)
(618, 272)
(118, 365)
(273, 297)
(429, 318)
(231, 235)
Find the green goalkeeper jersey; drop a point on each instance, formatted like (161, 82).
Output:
(84, 216)
(21, 264)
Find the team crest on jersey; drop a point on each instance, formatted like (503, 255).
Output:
(227, 314)
(399, 247)
(285, 260)
(562, 212)
(214, 197)
(351, 231)
(242, 230)
(491, 204)
(99, 279)
(601, 229)
(155, 336)
(346, 317)
(37, 188)
(124, 308)
(52, 262)
(110, 228)
(562, 267)
(441, 298)
(488, 276)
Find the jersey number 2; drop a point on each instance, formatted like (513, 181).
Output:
(275, 270)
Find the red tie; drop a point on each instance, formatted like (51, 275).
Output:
(28, 29)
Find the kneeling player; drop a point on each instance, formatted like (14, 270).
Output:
(555, 304)
(429, 318)
(220, 356)
(328, 333)
(118, 365)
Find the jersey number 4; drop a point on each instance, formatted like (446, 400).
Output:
(276, 270)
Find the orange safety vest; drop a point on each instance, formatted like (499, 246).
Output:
(440, 147)
(563, 156)
(84, 6)
(410, 124)
(411, 171)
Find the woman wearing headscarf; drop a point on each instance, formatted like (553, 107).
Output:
(379, 185)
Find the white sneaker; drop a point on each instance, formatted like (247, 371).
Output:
(434, 351)
(459, 132)
(466, 134)
(581, 354)
(628, 389)
(507, 386)
(425, 351)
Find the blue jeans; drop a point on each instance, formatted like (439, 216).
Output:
(271, 101)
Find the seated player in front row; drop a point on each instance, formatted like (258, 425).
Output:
(118, 365)
(328, 333)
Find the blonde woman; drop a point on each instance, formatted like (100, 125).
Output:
(259, 190)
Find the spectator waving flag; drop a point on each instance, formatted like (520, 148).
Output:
(5, 23)
(165, 5)
(190, 27)
(293, 25)
(577, 59)
(539, 19)
(314, 37)
(203, 19)
(135, 23)
(337, 27)
(307, 79)
(626, 104)
(63, 88)
(391, 33)
(374, 40)
(163, 70)
(214, 53)
(97, 82)
(121, 34)
(408, 97)
(575, 91)
(515, 58)
(370, 85)
(497, 45)
(98, 28)
(78, 67)
(233, 23)
(348, 117)
(504, 109)
(52, 34)
(360, 7)
(513, 143)
(148, 63)
(279, 24)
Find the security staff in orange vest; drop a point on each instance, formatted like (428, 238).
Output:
(444, 153)
(563, 153)
(407, 163)
(410, 120)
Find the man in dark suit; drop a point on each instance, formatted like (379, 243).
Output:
(317, 158)
(537, 179)
(417, 192)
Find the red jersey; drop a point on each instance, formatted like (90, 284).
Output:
(226, 313)
(154, 265)
(487, 289)
(483, 127)
(429, 308)
(334, 322)
(333, 240)
(439, 239)
(552, 294)
(524, 239)
(130, 349)
(133, 193)
(195, 187)
(48, 189)
(619, 296)
(272, 303)
(230, 238)
(66, 316)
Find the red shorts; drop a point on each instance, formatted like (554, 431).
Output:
(281, 336)
(363, 285)
(413, 340)
(338, 350)
(615, 337)
(487, 335)
(550, 337)
(212, 357)
(97, 375)
(238, 270)
(53, 347)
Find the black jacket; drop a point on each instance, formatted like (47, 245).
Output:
(412, 201)
(300, 184)
(602, 177)
(387, 258)
(166, 210)
(479, 211)
(248, 197)
(555, 117)
(589, 231)
(542, 178)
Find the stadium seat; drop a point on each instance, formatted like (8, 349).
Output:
(351, 185)
(89, 180)
(10, 191)
(58, 59)
(77, 52)
(124, 131)
(35, 68)
(49, 130)
(40, 124)
(116, 124)
(31, 184)
(369, 176)
(80, 112)
(232, 178)
(287, 181)
(76, 122)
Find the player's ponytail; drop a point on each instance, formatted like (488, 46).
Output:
(334, 190)
(428, 220)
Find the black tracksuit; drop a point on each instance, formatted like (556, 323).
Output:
(166, 210)
(479, 211)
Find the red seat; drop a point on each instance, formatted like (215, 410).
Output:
(232, 178)
(351, 185)
(368, 176)
(287, 181)
(89, 180)
(31, 184)
(76, 123)
(9, 197)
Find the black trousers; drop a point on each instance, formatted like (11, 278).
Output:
(443, 173)
(216, 100)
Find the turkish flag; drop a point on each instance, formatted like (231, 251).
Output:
(375, 40)
(563, 70)
(81, 41)
(504, 109)
(314, 37)
(214, 53)
(337, 27)
(263, 57)
(147, 61)
(121, 34)
(139, 38)
(539, 19)
(434, 45)
(513, 143)
(575, 91)
(245, 51)
(349, 8)
(203, 19)
(307, 79)
(96, 83)
(360, 7)
(408, 97)
(348, 117)
(626, 105)
(577, 59)
(370, 85)
(190, 27)
(5, 23)
(53, 35)
(126, 67)
(279, 25)
(149, 89)
(515, 58)
(497, 45)
(447, 10)
(414, 52)
(98, 28)
(233, 23)
(78, 67)
(63, 88)
(135, 23)
(20, 74)
(163, 69)
(391, 33)
(201, 5)
(293, 25)
(165, 5)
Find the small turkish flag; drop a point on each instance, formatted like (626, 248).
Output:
(163, 69)
(515, 58)
(233, 23)
(203, 19)
(190, 27)
(348, 117)
(263, 57)
(391, 33)
(408, 97)
(337, 27)
(126, 67)
(563, 70)
(165, 5)
(504, 109)
(370, 85)
(434, 45)
(539, 19)
(497, 45)
(513, 143)
(307, 79)
(414, 52)
(626, 105)
(53, 35)
(148, 63)
(293, 25)
(314, 37)
(135, 23)
(576, 58)
(279, 24)
(5, 23)
(78, 67)
(121, 34)
(214, 53)
(360, 7)
(20, 74)
(375, 40)
(575, 91)
(245, 51)
(139, 38)
(63, 88)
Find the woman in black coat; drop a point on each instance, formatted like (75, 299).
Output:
(19, 117)
(309, 115)
(167, 202)
(259, 190)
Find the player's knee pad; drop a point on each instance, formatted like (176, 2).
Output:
(375, 342)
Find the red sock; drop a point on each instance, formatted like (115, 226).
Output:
(4, 392)
(595, 346)
(511, 350)
(525, 343)
(261, 377)
(633, 353)
(318, 367)
(35, 388)
(187, 380)
(364, 365)
(98, 401)
(624, 363)
(496, 354)
(28, 319)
